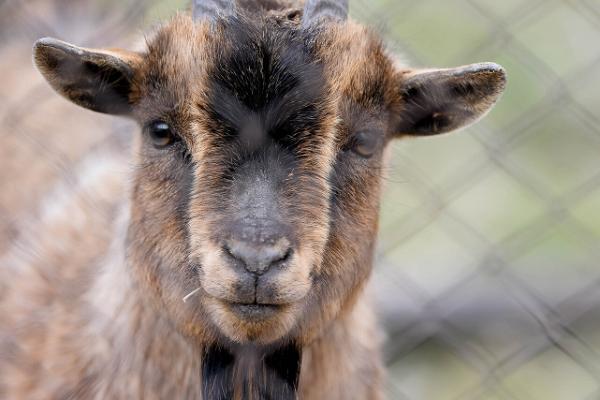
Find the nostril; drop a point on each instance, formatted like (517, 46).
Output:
(286, 256)
(258, 257)
(227, 250)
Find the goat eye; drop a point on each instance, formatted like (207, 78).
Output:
(161, 134)
(364, 144)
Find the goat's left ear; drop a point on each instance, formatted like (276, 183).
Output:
(100, 80)
(438, 101)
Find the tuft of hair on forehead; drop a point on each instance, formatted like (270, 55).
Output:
(265, 81)
(251, 76)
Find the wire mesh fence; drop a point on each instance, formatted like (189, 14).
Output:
(488, 261)
(488, 280)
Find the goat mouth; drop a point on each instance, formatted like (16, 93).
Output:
(254, 312)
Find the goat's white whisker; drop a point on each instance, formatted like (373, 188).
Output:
(191, 294)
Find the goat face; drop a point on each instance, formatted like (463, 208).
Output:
(258, 172)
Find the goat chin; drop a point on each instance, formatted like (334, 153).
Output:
(253, 326)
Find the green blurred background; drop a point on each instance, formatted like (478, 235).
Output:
(488, 280)
(488, 276)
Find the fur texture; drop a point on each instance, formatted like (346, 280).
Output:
(274, 128)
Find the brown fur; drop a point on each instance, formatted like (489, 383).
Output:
(94, 308)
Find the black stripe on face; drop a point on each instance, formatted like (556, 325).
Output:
(265, 84)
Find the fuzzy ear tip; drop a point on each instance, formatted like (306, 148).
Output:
(39, 51)
(496, 69)
(48, 51)
(491, 66)
(42, 46)
(43, 53)
(46, 42)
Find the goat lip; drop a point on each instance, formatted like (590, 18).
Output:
(254, 312)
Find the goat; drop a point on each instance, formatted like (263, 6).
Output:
(231, 262)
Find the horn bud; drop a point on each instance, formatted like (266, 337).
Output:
(212, 9)
(315, 11)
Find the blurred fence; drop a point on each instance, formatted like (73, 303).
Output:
(489, 275)
(488, 279)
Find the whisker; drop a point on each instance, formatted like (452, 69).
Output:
(191, 294)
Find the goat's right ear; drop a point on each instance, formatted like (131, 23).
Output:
(99, 80)
(442, 100)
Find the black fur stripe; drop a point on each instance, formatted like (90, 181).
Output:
(250, 373)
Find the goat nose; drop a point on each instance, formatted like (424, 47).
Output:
(258, 258)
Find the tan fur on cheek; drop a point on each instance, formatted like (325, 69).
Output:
(294, 283)
(217, 279)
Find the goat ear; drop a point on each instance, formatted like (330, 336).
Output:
(439, 101)
(100, 80)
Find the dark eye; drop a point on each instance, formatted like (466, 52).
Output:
(364, 144)
(161, 134)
